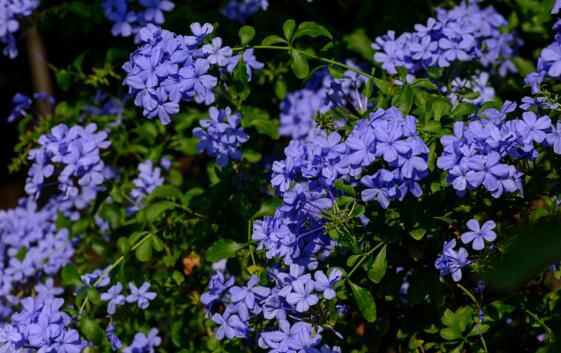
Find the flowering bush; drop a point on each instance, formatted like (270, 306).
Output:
(236, 180)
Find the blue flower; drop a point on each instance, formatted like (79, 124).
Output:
(479, 234)
(325, 284)
(302, 295)
(141, 295)
(230, 326)
(220, 135)
(114, 298)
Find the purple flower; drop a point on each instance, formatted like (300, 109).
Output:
(141, 295)
(302, 295)
(230, 326)
(478, 234)
(114, 298)
(216, 53)
(325, 284)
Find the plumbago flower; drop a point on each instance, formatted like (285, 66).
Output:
(73, 153)
(465, 33)
(47, 248)
(149, 178)
(451, 262)
(220, 135)
(296, 234)
(40, 326)
(184, 69)
(127, 22)
(478, 152)
(11, 13)
(479, 234)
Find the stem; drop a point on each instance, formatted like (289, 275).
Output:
(311, 56)
(39, 69)
(364, 258)
(468, 293)
(249, 224)
(115, 264)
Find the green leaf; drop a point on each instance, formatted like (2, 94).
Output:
(91, 329)
(359, 43)
(450, 334)
(405, 101)
(143, 253)
(246, 33)
(164, 192)
(222, 249)
(268, 208)
(423, 82)
(71, 277)
(299, 64)
(364, 301)
(532, 250)
(288, 29)
(311, 29)
(124, 245)
(463, 109)
(342, 186)
(379, 266)
(273, 39)
(155, 211)
(351, 261)
(63, 79)
(93, 295)
(418, 234)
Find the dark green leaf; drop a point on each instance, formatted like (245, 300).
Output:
(379, 266)
(364, 301)
(155, 211)
(531, 251)
(91, 329)
(71, 277)
(222, 249)
(288, 29)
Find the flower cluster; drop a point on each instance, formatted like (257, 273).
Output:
(293, 299)
(149, 178)
(30, 245)
(241, 10)
(127, 22)
(114, 297)
(170, 68)
(76, 151)
(297, 234)
(40, 326)
(221, 135)
(465, 33)
(11, 12)
(23, 104)
(451, 261)
(476, 154)
(321, 94)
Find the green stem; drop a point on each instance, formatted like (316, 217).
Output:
(311, 56)
(468, 293)
(249, 224)
(364, 258)
(110, 268)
